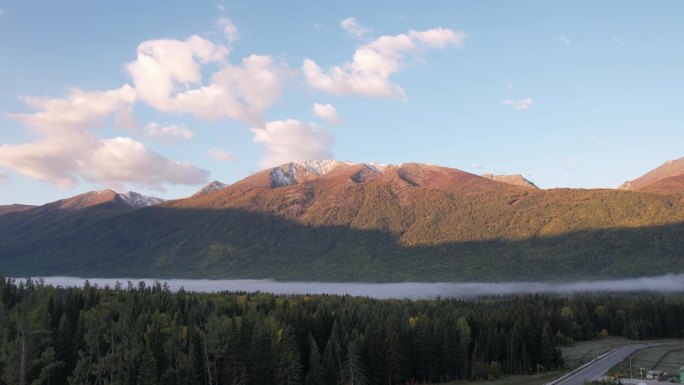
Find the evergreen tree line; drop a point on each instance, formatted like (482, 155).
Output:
(148, 335)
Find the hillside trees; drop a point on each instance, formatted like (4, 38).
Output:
(148, 335)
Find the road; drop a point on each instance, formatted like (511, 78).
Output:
(598, 367)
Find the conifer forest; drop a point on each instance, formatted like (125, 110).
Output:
(138, 334)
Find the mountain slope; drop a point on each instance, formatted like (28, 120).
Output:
(669, 169)
(15, 208)
(30, 219)
(516, 180)
(365, 222)
(210, 188)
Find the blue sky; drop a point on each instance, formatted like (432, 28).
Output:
(162, 98)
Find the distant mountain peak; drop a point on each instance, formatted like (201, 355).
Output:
(210, 188)
(514, 179)
(667, 170)
(137, 200)
(291, 173)
(129, 199)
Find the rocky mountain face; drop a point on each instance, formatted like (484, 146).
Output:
(210, 188)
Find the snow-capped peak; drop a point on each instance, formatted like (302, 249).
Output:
(210, 188)
(289, 173)
(136, 200)
(376, 167)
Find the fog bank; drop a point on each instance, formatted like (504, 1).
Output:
(670, 283)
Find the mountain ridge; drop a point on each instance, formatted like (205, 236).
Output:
(669, 169)
(347, 221)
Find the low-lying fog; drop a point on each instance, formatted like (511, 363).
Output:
(413, 290)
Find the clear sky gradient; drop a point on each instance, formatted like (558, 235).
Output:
(163, 98)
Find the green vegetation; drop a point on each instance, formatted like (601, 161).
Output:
(526, 379)
(422, 224)
(188, 243)
(667, 358)
(148, 335)
(578, 353)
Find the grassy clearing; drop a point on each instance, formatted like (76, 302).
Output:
(515, 380)
(661, 358)
(585, 351)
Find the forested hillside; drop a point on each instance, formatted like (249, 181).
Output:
(409, 222)
(148, 335)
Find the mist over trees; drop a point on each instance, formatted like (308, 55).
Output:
(138, 334)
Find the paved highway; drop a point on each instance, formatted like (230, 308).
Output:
(598, 367)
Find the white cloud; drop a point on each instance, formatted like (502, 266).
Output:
(125, 119)
(327, 112)
(171, 133)
(565, 40)
(229, 29)
(66, 150)
(120, 161)
(2, 13)
(79, 110)
(162, 66)
(291, 140)
(476, 166)
(166, 70)
(519, 105)
(220, 8)
(221, 155)
(368, 73)
(112, 162)
(241, 92)
(353, 28)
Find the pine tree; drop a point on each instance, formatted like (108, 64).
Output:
(352, 368)
(289, 370)
(314, 375)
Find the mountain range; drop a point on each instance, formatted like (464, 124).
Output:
(341, 221)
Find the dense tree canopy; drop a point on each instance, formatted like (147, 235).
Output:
(149, 335)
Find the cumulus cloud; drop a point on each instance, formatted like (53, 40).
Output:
(241, 92)
(162, 66)
(167, 76)
(519, 105)
(171, 133)
(327, 112)
(112, 162)
(66, 150)
(369, 71)
(119, 161)
(565, 40)
(292, 140)
(79, 110)
(221, 155)
(353, 28)
(125, 119)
